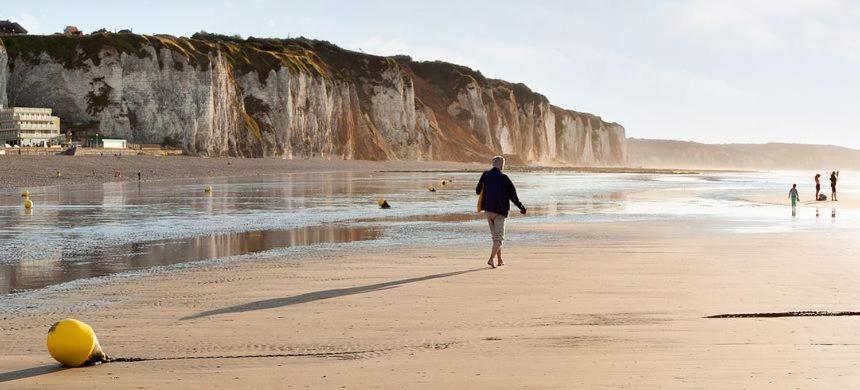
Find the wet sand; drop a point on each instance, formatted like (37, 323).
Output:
(38, 171)
(28, 275)
(590, 305)
(19, 172)
(847, 201)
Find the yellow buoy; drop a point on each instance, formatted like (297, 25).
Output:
(59, 174)
(74, 344)
(28, 204)
(383, 204)
(432, 189)
(25, 193)
(208, 189)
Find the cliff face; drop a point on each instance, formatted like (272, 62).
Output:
(294, 98)
(4, 73)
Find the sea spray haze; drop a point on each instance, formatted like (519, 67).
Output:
(294, 98)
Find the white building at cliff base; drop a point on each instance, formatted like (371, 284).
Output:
(114, 143)
(24, 126)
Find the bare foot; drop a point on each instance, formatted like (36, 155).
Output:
(491, 264)
(501, 262)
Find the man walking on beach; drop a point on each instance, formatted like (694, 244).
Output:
(497, 191)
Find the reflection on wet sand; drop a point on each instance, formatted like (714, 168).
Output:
(582, 205)
(59, 268)
(595, 203)
(450, 217)
(586, 204)
(83, 231)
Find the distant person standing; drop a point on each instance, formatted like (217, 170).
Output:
(834, 177)
(817, 185)
(497, 191)
(793, 195)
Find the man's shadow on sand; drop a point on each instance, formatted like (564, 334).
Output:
(30, 372)
(324, 294)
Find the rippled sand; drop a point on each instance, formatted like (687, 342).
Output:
(587, 305)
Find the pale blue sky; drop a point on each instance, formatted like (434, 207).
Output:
(710, 71)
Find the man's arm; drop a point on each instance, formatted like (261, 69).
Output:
(512, 193)
(480, 185)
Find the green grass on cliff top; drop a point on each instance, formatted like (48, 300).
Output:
(259, 56)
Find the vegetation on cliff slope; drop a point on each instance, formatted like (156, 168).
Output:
(258, 55)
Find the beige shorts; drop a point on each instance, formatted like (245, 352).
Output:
(497, 226)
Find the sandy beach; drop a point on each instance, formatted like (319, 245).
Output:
(41, 171)
(591, 305)
(610, 286)
(847, 201)
(38, 171)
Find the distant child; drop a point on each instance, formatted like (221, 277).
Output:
(792, 194)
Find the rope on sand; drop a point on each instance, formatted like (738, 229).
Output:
(273, 355)
(340, 354)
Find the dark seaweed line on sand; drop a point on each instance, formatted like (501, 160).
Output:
(789, 314)
(273, 355)
(340, 354)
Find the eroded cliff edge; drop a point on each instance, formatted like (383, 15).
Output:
(294, 98)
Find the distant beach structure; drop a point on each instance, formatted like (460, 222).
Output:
(108, 143)
(72, 30)
(28, 126)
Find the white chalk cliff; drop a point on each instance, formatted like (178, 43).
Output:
(293, 98)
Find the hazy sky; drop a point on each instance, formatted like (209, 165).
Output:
(711, 71)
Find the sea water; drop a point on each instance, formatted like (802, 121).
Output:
(79, 232)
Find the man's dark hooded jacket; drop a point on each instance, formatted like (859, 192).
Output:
(498, 192)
